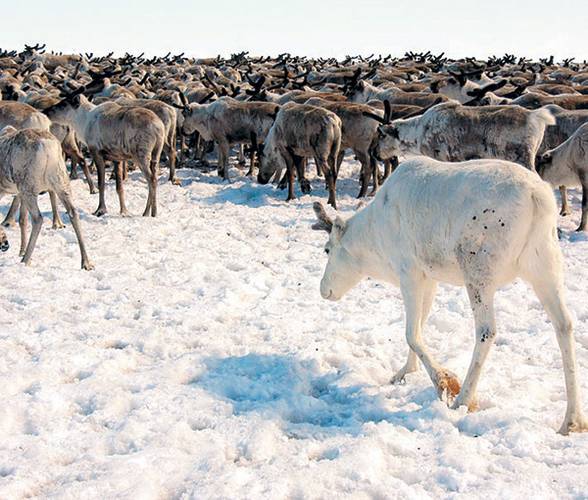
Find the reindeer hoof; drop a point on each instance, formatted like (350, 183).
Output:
(58, 225)
(87, 266)
(574, 424)
(472, 406)
(400, 376)
(176, 182)
(305, 186)
(447, 384)
(9, 223)
(100, 212)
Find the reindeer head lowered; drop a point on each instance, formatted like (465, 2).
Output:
(388, 143)
(343, 269)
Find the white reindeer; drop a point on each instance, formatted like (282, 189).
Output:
(480, 224)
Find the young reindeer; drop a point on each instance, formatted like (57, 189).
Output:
(498, 224)
(31, 161)
(117, 133)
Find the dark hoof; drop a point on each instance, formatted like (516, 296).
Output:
(282, 185)
(87, 266)
(305, 186)
(100, 212)
(4, 246)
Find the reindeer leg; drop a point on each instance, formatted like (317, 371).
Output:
(23, 218)
(88, 175)
(252, 154)
(482, 302)
(290, 174)
(414, 287)
(241, 157)
(10, 219)
(154, 166)
(65, 198)
(73, 172)
(549, 288)
(584, 181)
(283, 184)
(300, 166)
(101, 169)
(57, 222)
(412, 363)
(331, 182)
(365, 173)
(565, 208)
(223, 159)
(172, 165)
(118, 175)
(30, 201)
(375, 173)
(114, 168)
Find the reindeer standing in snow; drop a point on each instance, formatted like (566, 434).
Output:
(479, 224)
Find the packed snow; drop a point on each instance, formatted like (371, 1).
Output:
(199, 361)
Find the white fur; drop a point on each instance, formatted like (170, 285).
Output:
(480, 224)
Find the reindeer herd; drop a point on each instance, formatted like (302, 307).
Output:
(470, 208)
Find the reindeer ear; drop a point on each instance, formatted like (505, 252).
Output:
(324, 222)
(339, 228)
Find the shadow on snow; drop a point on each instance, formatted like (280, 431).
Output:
(296, 392)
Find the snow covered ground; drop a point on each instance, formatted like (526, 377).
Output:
(199, 361)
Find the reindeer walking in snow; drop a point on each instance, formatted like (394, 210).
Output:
(498, 224)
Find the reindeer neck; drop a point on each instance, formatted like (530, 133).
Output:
(82, 116)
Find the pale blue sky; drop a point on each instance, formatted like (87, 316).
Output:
(305, 27)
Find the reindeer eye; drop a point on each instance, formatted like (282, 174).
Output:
(327, 251)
